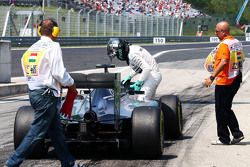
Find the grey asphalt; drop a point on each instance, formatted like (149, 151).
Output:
(201, 152)
(198, 152)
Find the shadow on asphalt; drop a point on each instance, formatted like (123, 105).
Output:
(243, 143)
(105, 153)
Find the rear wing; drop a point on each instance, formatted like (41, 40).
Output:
(102, 80)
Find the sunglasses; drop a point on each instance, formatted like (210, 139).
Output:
(218, 31)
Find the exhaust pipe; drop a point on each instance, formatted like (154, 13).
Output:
(90, 116)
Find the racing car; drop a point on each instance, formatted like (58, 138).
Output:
(107, 112)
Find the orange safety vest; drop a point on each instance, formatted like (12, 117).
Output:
(232, 50)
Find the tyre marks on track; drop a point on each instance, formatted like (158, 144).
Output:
(196, 102)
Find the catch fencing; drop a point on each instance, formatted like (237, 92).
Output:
(18, 21)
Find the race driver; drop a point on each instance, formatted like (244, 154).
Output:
(141, 62)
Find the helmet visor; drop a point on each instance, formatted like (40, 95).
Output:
(112, 49)
(112, 53)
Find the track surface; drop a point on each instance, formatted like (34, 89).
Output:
(183, 74)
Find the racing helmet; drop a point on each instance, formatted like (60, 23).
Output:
(118, 48)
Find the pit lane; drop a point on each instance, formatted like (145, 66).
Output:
(183, 74)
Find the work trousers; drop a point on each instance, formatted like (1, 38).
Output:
(225, 117)
(46, 121)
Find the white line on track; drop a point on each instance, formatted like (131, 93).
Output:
(168, 51)
(11, 100)
(6, 145)
(164, 52)
(122, 69)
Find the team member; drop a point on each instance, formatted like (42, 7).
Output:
(43, 67)
(225, 64)
(141, 62)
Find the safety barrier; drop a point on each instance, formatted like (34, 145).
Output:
(90, 41)
(5, 61)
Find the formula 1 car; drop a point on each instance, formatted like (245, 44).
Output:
(107, 112)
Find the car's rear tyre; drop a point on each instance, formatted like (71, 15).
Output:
(147, 132)
(23, 120)
(172, 109)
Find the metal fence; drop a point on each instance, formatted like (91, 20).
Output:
(18, 21)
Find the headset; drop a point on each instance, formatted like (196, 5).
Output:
(55, 30)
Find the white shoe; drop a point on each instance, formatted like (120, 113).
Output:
(77, 165)
(218, 142)
(5, 165)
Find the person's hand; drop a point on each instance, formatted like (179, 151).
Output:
(67, 106)
(137, 85)
(72, 88)
(208, 82)
(126, 80)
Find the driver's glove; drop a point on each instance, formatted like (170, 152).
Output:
(137, 85)
(126, 80)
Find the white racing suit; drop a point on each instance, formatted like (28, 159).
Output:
(143, 63)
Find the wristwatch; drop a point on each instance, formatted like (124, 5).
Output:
(212, 78)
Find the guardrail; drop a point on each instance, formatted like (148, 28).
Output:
(90, 41)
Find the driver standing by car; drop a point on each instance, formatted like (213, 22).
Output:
(44, 70)
(141, 62)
